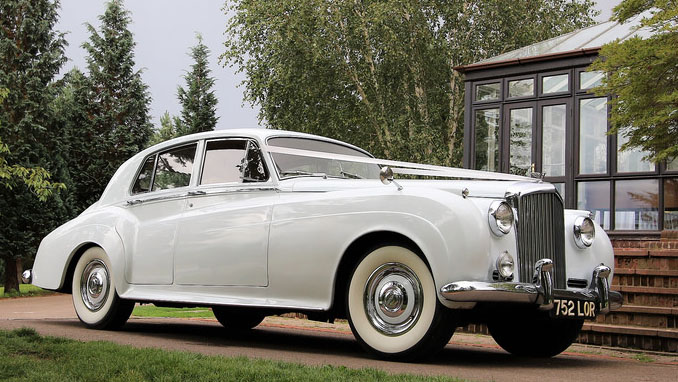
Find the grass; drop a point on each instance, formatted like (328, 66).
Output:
(643, 358)
(151, 310)
(27, 356)
(25, 290)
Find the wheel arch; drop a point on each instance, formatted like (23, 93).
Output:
(353, 254)
(66, 284)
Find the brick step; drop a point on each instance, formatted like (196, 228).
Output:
(629, 336)
(644, 297)
(646, 263)
(642, 281)
(647, 317)
(646, 272)
(632, 289)
(645, 252)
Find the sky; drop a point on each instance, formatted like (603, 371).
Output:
(164, 31)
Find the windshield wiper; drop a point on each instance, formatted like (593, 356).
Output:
(350, 175)
(303, 173)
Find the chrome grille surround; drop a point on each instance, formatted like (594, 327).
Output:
(539, 229)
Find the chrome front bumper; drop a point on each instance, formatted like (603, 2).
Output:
(540, 292)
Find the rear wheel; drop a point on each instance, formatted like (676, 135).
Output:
(392, 306)
(95, 299)
(536, 335)
(237, 319)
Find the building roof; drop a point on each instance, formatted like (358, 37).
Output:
(580, 42)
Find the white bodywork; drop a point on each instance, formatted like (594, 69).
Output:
(279, 243)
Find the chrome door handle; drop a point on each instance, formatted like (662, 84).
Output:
(196, 193)
(133, 202)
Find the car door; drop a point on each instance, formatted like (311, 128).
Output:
(222, 237)
(158, 198)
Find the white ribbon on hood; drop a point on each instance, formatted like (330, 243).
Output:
(407, 168)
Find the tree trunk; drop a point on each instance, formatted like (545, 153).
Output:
(11, 279)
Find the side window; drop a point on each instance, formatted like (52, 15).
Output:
(174, 168)
(143, 181)
(232, 161)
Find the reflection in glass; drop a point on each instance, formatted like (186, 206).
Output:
(631, 160)
(671, 204)
(521, 88)
(672, 165)
(636, 204)
(222, 159)
(174, 168)
(560, 187)
(487, 92)
(487, 139)
(143, 182)
(588, 80)
(592, 136)
(553, 140)
(595, 197)
(520, 125)
(554, 84)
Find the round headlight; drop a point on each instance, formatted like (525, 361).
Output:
(500, 217)
(584, 232)
(505, 265)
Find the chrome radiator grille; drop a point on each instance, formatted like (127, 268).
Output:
(540, 234)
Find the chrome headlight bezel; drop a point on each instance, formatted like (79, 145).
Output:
(500, 218)
(584, 232)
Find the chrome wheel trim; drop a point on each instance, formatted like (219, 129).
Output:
(393, 299)
(94, 285)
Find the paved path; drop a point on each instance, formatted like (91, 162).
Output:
(467, 356)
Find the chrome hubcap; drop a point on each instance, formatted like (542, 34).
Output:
(393, 298)
(94, 285)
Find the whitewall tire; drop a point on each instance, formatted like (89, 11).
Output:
(95, 299)
(392, 305)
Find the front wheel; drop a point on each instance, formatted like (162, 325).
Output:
(392, 306)
(534, 335)
(95, 299)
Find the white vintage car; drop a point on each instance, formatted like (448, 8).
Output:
(260, 222)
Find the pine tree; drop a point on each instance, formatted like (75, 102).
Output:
(198, 100)
(31, 54)
(168, 129)
(116, 104)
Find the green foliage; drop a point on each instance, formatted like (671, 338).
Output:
(31, 54)
(198, 101)
(642, 74)
(104, 114)
(25, 290)
(156, 311)
(168, 129)
(27, 356)
(380, 74)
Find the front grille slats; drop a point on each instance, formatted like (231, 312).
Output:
(540, 234)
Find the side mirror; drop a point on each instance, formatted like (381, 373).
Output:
(386, 175)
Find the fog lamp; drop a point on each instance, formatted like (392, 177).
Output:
(505, 265)
(584, 232)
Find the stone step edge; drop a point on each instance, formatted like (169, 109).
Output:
(630, 330)
(655, 310)
(644, 290)
(635, 252)
(646, 272)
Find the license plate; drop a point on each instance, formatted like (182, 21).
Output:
(566, 308)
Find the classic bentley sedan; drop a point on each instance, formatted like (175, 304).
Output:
(261, 222)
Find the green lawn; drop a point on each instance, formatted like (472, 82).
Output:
(26, 290)
(151, 310)
(26, 356)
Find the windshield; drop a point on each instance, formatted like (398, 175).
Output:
(294, 165)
